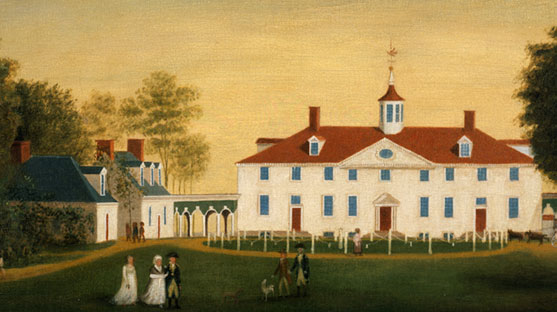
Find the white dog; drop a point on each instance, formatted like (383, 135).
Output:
(266, 290)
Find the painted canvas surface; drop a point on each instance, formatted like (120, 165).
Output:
(278, 155)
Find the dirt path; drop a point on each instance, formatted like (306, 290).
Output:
(197, 244)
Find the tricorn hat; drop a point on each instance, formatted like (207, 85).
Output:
(299, 245)
(172, 254)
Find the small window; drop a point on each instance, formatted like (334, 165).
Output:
(513, 174)
(314, 148)
(295, 200)
(389, 113)
(328, 172)
(424, 206)
(264, 173)
(164, 215)
(482, 174)
(513, 208)
(448, 207)
(329, 234)
(102, 185)
(382, 112)
(352, 206)
(296, 173)
(160, 183)
(327, 205)
(352, 174)
(264, 205)
(449, 174)
(423, 235)
(424, 175)
(401, 112)
(150, 215)
(464, 150)
(141, 177)
(152, 176)
(397, 113)
(385, 175)
(447, 236)
(385, 153)
(481, 201)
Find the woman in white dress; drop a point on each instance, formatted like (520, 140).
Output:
(155, 293)
(128, 290)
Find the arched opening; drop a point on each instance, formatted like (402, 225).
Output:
(176, 224)
(225, 225)
(211, 222)
(186, 224)
(197, 223)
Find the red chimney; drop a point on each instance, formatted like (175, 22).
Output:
(314, 112)
(21, 151)
(469, 120)
(135, 146)
(105, 147)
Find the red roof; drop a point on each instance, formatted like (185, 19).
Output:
(268, 140)
(391, 95)
(515, 141)
(438, 145)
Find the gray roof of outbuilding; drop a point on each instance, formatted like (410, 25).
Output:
(91, 169)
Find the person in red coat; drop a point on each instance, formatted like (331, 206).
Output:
(284, 274)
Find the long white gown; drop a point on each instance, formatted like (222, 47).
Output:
(155, 293)
(128, 290)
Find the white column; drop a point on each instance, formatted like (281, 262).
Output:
(390, 239)
(219, 216)
(205, 232)
(232, 224)
(312, 244)
(429, 251)
(346, 243)
(489, 238)
(287, 241)
(265, 241)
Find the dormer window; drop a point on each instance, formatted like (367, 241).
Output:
(160, 176)
(141, 176)
(315, 145)
(103, 192)
(464, 147)
(152, 175)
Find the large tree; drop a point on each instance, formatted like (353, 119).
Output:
(8, 104)
(161, 112)
(190, 158)
(100, 116)
(538, 92)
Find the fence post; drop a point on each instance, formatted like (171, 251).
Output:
(449, 237)
(345, 242)
(489, 238)
(483, 238)
(312, 244)
(429, 251)
(238, 238)
(506, 233)
(287, 241)
(390, 239)
(474, 241)
(405, 239)
(208, 239)
(501, 233)
(423, 237)
(272, 235)
(466, 236)
(221, 240)
(497, 233)
(294, 235)
(265, 241)
(371, 236)
(245, 235)
(340, 239)
(228, 236)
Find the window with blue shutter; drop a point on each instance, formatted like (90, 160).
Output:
(328, 171)
(424, 206)
(424, 175)
(464, 150)
(382, 111)
(296, 173)
(401, 112)
(513, 174)
(102, 185)
(385, 175)
(160, 183)
(513, 208)
(152, 176)
(264, 205)
(397, 113)
(481, 201)
(141, 176)
(352, 174)
(149, 215)
(314, 148)
(352, 206)
(164, 215)
(482, 174)
(449, 174)
(295, 199)
(448, 207)
(264, 173)
(327, 205)
(389, 113)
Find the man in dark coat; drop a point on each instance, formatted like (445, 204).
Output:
(173, 286)
(300, 269)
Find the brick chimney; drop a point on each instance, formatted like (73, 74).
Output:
(21, 151)
(314, 116)
(105, 147)
(469, 120)
(135, 146)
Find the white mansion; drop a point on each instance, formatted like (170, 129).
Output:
(412, 180)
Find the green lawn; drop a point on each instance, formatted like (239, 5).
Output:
(512, 282)
(375, 247)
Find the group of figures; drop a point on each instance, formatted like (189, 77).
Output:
(300, 270)
(164, 283)
(134, 233)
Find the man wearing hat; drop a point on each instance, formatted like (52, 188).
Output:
(284, 275)
(300, 269)
(173, 286)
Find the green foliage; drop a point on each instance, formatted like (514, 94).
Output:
(100, 116)
(539, 95)
(161, 111)
(190, 158)
(49, 119)
(8, 103)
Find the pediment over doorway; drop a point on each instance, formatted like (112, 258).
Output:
(386, 199)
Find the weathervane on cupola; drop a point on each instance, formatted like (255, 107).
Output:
(391, 105)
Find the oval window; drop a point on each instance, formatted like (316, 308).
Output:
(386, 153)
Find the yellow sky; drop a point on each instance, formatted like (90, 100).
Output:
(259, 64)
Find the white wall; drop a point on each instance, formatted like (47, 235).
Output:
(100, 227)
(404, 186)
(157, 209)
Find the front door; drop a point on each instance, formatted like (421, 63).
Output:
(297, 219)
(385, 219)
(159, 227)
(480, 219)
(107, 226)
